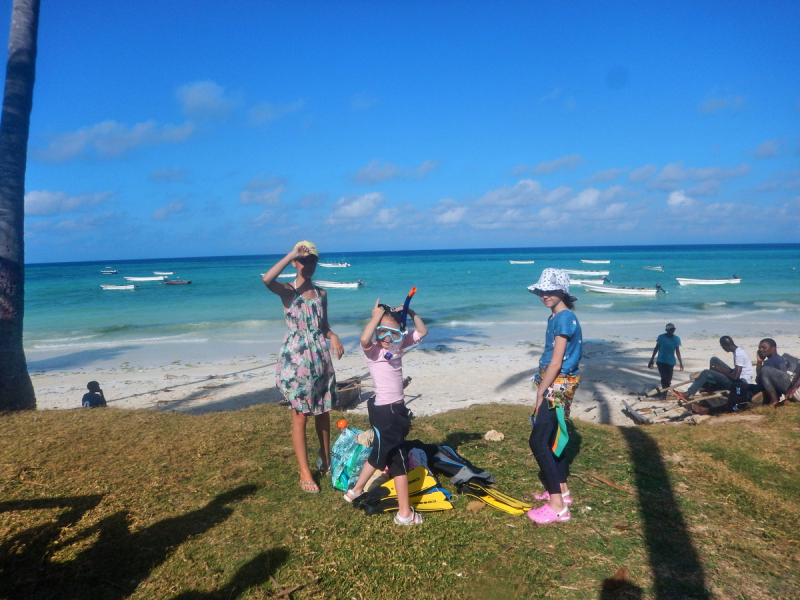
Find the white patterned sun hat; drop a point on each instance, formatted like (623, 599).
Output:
(551, 280)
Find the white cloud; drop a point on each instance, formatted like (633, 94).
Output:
(87, 223)
(449, 213)
(524, 193)
(377, 171)
(642, 173)
(717, 103)
(44, 202)
(606, 175)
(768, 149)
(568, 162)
(109, 139)
(169, 175)
(388, 218)
(586, 199)
(678, 199)
(263, 191)
(265, 113)
(173, 208)
(355, 208)
(674, 174)
(205, 99)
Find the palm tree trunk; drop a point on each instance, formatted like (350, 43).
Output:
(16, 389)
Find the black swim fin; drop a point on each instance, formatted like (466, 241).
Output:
(432, 500)
(419, 481)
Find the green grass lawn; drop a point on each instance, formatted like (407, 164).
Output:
(116, 504)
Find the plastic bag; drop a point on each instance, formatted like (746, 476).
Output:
(347, 459)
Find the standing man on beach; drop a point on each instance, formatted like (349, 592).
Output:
(720, 375)
(667, 346)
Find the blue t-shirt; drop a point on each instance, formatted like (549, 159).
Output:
(666, 348)
(564, 323)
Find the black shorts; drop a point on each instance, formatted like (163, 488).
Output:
(391, 423)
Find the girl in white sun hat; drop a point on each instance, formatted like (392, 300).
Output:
(556, 384)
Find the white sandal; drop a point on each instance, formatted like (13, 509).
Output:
(414, 519)
(349, 496)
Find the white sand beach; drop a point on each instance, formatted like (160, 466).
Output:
(186, 378)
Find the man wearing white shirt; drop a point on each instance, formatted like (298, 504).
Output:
(719, 375)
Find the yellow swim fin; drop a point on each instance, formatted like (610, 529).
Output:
(419, 482)
(494, 498)
(430, 501)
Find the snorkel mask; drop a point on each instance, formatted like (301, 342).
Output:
(394, 335)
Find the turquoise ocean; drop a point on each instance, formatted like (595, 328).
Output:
(465, 296)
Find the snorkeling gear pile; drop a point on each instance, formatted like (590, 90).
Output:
(425, 492)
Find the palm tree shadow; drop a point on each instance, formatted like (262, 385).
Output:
(677, 570)
(252, 574)
(115, 564)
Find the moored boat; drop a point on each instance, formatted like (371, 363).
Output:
(579, 272)
(333, 265)
(522, 262)
(589, 281)
(339, 284)
(119, 287)
(109, 272)
(622, 290)
(595, 262)
(156, 278)
(163, 273)
(177, 282)
(660, 268)
(687, 281)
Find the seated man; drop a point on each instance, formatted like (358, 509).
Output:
(721, 376)
(95, 397)
(772, 378)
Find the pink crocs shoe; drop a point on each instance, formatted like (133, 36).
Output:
(544, 515)
(567, 498)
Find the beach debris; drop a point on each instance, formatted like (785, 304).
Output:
(475, 505)
(609, 483)
(494, 436)
(658, 391)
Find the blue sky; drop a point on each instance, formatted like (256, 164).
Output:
(197, 128)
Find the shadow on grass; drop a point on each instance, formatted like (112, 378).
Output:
(252, 574)
(677, 570)
(115, 562)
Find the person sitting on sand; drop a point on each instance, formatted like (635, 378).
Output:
(95, 397)
(772, 378)
(667, 346)
(719, 375)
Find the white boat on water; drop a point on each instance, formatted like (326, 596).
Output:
(579, 272)
(119, 287)
(623, 291)
(156, 278)
(163, 273)
(589, 281)
(661, 268)
(595, 262)
(686, 281)
(109, 272)
(333, 265)
(522, 262)
(350, 285)
(284, 275)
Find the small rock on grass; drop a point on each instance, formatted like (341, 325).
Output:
(475, 505)
(494, 436)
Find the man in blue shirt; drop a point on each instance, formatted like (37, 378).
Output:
(772, 377)
(667, 346)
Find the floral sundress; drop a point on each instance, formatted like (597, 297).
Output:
(305, 372)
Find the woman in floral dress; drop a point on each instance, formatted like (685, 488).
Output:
(305, 373)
